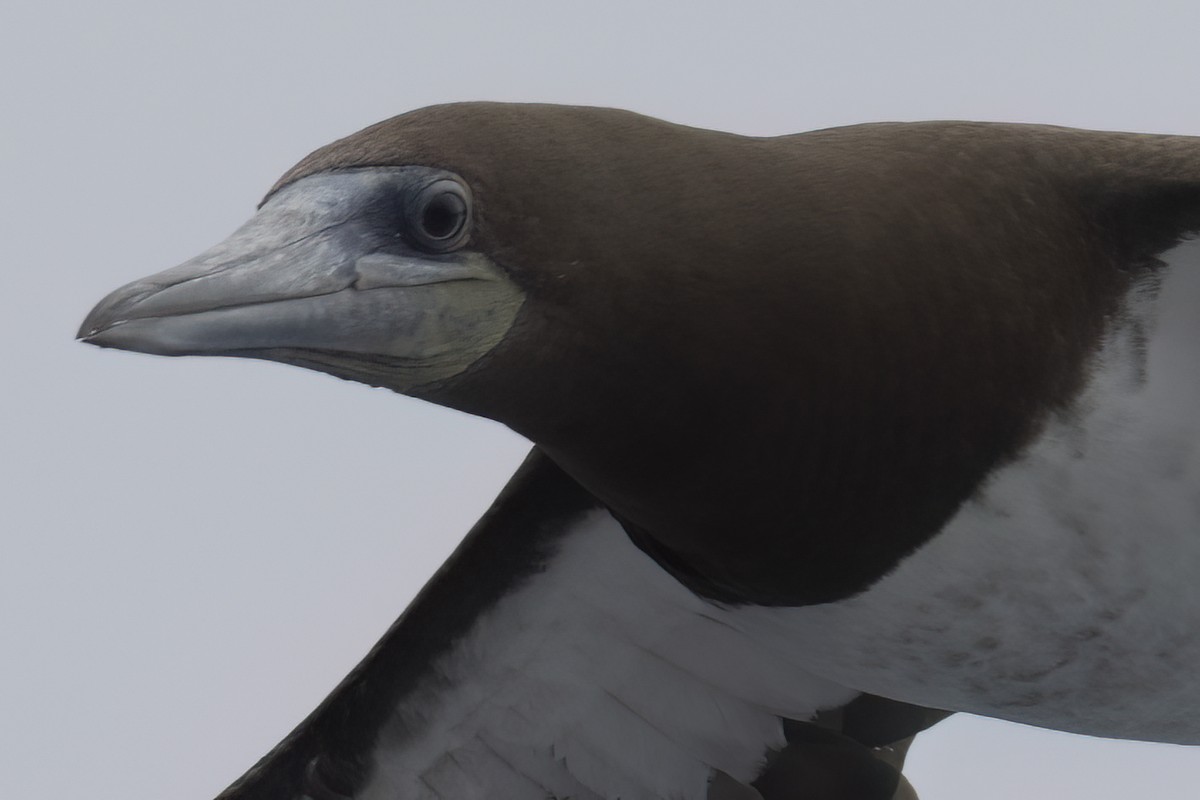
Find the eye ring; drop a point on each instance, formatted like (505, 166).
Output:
(439, 216)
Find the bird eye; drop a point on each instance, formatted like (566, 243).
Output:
(439, 218)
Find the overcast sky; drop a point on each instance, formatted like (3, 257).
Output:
(193, 552)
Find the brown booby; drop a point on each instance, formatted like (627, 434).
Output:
(831, 430)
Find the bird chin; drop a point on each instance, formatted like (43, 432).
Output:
(402, 375)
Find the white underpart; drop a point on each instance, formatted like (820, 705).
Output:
(1067, 593)
(601, 677)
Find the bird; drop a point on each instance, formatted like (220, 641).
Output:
(833, 434)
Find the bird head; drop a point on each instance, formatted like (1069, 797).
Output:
(842, 331)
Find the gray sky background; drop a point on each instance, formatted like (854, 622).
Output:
(193, 552)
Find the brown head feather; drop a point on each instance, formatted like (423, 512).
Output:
(784, 362)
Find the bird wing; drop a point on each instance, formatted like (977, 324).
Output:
(550, 657)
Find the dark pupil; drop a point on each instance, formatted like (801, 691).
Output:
(443, 216)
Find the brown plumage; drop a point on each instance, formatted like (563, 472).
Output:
(922, 295)
(780, 364)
